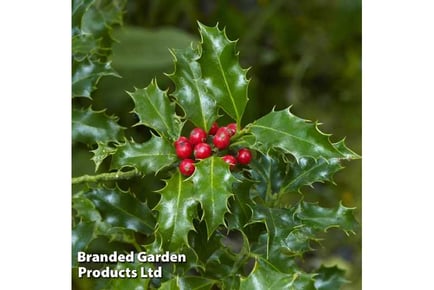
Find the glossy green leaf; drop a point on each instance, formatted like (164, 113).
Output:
(308, 171)
(102, 152)
(92, 22)
(155, 110)
(299, 137)
(90, 127)
(85, 209)
(121, 209)
(228, 260)
(345, 151)
(99, 17)
(213, 186)
(176, 211)
(330, 278)
(86, 74)
(85, 45)
(149, 157)
(322, 218)
(222, 73)
(188, 283)
(240, 206)
(266, 277)
(278, 222)
(269, 173)
(136, 283)
(191, 92)
(82, 235)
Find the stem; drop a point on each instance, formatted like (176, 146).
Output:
(106, 176)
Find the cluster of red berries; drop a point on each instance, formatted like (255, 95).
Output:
(196, 145)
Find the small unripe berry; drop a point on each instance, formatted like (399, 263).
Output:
(187, 167)
(232, 128)
(244, 156)
(202, 150)
(213, 128)
(222, 138)
(197, 136)
(229, 159)
(184, 150)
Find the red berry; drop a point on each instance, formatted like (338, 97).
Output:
(184, 150)
(202, 150)
(232, 128)
(229, 159)
(180, 140)
(244, 156)
(187, 167)
(222, 138)
(213, 129)
(197, 136)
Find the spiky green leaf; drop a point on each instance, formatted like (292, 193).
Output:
(188, 283)
(176, 211)
(240, 206)
(320, 218)
(155, 110)
(191, 92)
(149, 157)
(137, 283)
(86, 74)
(90, 127)
(299, 137)
(269, 172)
(330, 278)
(82, 235)
(308, 171)
(213, 186)
(101, 152)
(222, 73)
(279, 224)
(122, 209)
(266, 277)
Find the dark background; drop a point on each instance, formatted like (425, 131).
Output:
(301, 53)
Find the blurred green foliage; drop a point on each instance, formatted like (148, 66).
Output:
(301, 53)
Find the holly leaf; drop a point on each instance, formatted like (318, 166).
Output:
(278, 222)
(266, 276)
(176, 211)
(240, 206)
(188, 283)
(92, 23)
(82, 235)
(129, 283)
(330, 278)
(299, 137)
(90, 127)
(85, 209)
(317, 217)
(86, 74)
(122, 209)
(345, 151)
(85, 45)
(308, 171)
(191, 92)
(269, 172)
(221, 71)
(155, 110)
(149, 157)
(213, 186)
(101, 152)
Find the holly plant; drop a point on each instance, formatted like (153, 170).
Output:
(228, 195)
